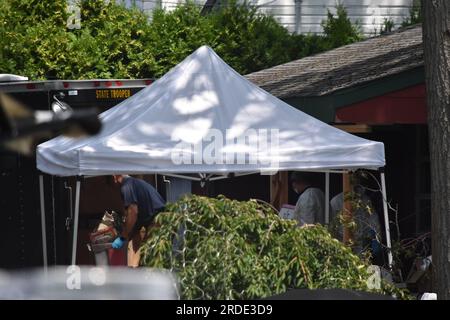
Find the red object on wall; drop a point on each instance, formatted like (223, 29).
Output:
(407, 106)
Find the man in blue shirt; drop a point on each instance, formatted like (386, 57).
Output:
(141, 202)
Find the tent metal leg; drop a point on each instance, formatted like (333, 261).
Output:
(386, 219)
(43, 232)
(327, 197)
(75, 223)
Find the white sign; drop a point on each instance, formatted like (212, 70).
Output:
(287, 212)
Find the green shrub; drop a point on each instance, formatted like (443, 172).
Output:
(248, 40)
(339, 30)
(35, 40)
(225, 249)
(415, 14)
(119, 42)
(173, 35)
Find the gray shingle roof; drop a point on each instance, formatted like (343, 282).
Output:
(344, 67)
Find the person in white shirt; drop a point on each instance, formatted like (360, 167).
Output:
(365, 217)
(311, 201)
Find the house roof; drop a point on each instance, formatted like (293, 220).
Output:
(344, 67)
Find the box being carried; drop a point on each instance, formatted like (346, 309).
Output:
(101, 240)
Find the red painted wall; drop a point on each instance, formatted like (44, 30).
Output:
(407, 106)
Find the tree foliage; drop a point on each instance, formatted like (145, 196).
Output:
(36, 42)
(339, 30)
(119, 42)
(415, 14)
(225, 249)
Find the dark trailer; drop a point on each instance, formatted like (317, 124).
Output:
(20, 222)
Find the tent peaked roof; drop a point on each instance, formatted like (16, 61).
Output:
(186, 122)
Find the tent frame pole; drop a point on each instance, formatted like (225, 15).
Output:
(347, 187)
(76, 218)
(43, 231)
(386, 218)
(235, 175)
(327, 197)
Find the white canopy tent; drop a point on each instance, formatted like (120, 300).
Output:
(202, 120)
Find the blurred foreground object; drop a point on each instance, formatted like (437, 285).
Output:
(429, 296)
(420, 275)
(6, 77)
(21, 127)
(89, 283)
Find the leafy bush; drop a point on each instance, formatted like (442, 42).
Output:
(119, 42)
(388, 26)
(415, 14)
(225, 249)
(173, 35)
(248, 40)
(339, 30)
(34, 40)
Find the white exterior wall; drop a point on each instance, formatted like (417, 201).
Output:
(305, 16)
(149, 5)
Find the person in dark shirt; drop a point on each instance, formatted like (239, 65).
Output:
(141, 202)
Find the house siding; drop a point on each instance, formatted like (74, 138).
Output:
(305, 16)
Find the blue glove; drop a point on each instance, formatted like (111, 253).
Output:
(118, 243)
